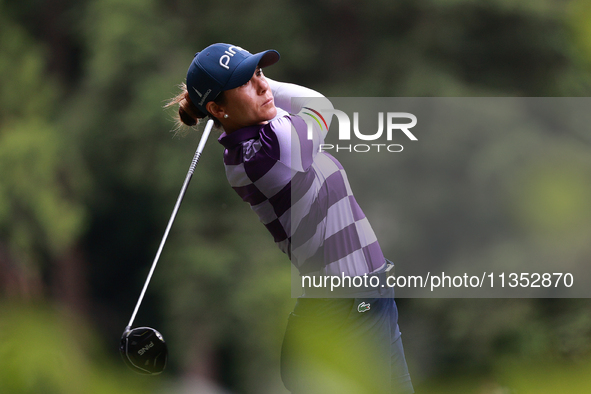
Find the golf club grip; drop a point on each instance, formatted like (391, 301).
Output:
(201, 145)
(194, 162)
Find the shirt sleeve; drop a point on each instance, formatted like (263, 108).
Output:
(292, 98)
(300, 139)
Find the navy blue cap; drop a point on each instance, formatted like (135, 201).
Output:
(223, 67)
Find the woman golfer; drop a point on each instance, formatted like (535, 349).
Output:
(272, 134)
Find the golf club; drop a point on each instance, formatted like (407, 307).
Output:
(143, 349)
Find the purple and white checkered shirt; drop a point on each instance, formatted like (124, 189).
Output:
(300, 194)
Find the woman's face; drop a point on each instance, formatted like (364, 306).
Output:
(249, 104)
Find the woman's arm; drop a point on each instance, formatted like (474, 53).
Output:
(292, 98)
(300, 135)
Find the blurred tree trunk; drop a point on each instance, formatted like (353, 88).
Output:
(15, 281)
(201, 357)
(70, 282)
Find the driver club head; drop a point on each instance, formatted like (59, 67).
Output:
(143, 349)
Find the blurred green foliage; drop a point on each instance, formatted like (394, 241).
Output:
(90, 170)
(47, 350)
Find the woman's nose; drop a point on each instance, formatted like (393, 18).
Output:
(263, 85)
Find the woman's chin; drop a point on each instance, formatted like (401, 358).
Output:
(273, 112)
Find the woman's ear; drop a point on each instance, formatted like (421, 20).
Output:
(216, 110)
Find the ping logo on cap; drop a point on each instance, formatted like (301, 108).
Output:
(229, 53)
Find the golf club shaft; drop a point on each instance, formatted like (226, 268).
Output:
(200, 147)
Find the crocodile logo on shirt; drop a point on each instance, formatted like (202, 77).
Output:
(363, 307)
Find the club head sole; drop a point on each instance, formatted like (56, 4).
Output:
(144, 350)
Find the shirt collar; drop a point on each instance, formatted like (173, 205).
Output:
(231, 140)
